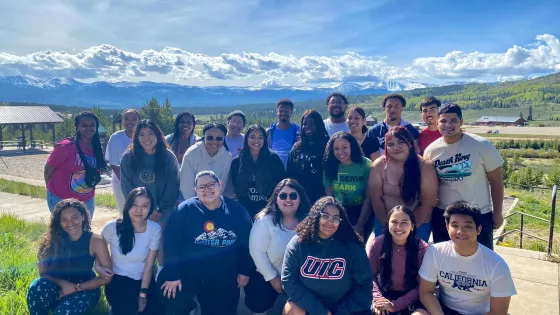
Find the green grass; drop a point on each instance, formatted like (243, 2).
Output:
(515, 136)
(19, 188)
(18, 264)
(537, 203)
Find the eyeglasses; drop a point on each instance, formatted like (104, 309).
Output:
(332, 218)
(292, 195)
(210, 138)
(210, 186)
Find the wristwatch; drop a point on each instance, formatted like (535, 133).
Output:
(143, 292)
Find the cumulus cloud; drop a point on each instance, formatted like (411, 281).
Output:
(106, 62)
(543, 56)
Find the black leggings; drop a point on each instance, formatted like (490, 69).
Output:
(217, 293)
(122, 294)
(260, 296)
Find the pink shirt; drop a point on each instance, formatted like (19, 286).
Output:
(398, 262)
(68, 179)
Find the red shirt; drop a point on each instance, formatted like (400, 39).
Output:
(426, 138)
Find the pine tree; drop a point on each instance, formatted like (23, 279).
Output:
(530, 115)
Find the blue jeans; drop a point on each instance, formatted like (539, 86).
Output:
(423, 231)
(53, 199)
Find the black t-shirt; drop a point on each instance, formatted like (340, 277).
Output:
(369, 146)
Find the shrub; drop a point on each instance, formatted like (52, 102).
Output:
(553, 176)
(527, 176)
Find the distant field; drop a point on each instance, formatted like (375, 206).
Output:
(517, 132)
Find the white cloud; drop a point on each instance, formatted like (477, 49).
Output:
(106, 62)
(542, 56)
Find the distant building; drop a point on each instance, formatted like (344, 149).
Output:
(500, 121)
(371, 121)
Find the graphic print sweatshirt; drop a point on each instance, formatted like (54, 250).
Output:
(203, 240)
(328, 275)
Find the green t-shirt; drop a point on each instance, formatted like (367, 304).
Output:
(351, 184)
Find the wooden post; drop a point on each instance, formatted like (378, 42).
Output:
(53, 134)
(23, 136)
(31, 134)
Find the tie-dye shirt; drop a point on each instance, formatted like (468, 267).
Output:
(68, 179)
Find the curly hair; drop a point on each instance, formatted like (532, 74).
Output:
(125, 229)
(335, 94)
(393, 95)
(331, 163)
(412, 244)
(308, 230)
(272, 207)
(54, 244)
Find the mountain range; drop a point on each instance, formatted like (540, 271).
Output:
(67, 91)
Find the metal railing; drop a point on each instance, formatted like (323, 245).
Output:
(523, 215)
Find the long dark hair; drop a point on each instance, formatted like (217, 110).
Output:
(160, 150)
(308, 229)
(411, 177)
(412, 244)
(246, 161)
(362, 113)
(125, 229)
(95, 140)
(321, 136)
(331, 163)
(213, 125)
(176, 135)
(272, 207)
(54, 245)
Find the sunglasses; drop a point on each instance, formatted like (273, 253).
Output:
(210, 138)
(332, 218)
(292, 195)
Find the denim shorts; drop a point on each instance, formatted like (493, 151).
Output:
(53, 199)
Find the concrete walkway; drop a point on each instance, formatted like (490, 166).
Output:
(536, 280)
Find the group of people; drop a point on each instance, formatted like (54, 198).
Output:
(282, 212)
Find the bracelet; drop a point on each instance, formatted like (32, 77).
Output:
(143, 295)
(144, 290)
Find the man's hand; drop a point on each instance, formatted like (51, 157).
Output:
(497, 219)
(242, 280)
(66, 288)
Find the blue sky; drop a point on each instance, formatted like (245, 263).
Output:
(266, 42)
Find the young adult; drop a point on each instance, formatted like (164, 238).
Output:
(337, 104)
(393, 105)
(183, 136)
(401, 177)
(274, 227)
(134, 241)
(356, 121)
(305, 162)
(283, 134)
(206, 252)
(117, 145)
(75, 165)
(67, 284)
(429, 108)
(395, 258)
(325, 268)
(206, 155)
(234, 138)
(472, 278)
(149, 163)
(346, 174)
(256, 171)
(465, 163)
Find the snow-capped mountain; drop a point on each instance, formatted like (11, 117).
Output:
(67, 91)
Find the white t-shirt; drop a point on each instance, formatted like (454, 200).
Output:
(267, 245)
(461, 168)
(132, 264)
(116, 147)
(333, 128)
(467, 283)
